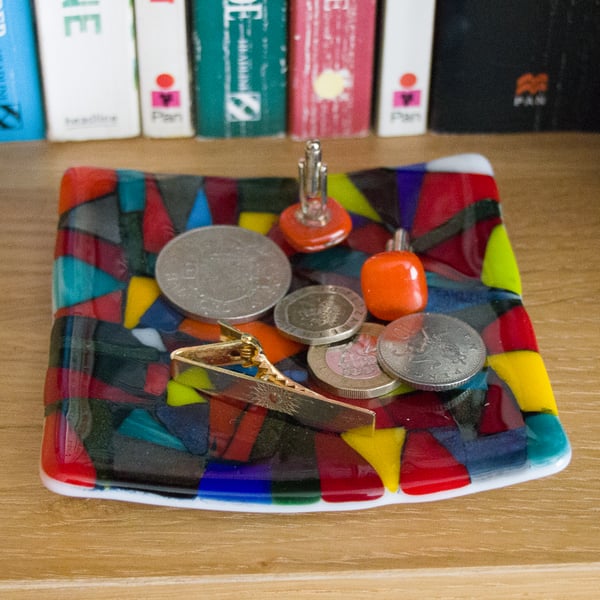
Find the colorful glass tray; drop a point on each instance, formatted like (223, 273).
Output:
(116, 425)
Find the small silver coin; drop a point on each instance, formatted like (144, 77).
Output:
(223, 273)
(349, 368)
(431, 351)
(320, 314)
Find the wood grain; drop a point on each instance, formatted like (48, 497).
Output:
(535, 540)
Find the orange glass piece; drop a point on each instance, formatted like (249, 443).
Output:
(393, 284)
(309, 236)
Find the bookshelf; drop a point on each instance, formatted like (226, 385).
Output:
(539, 539)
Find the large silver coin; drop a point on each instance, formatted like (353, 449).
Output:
(349, 368)
(320, 314)
(431, 351)
(223, 273)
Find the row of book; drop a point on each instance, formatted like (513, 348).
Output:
(105, 69)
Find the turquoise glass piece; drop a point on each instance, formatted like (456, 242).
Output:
(140, 425)
(132, 190)
(546, 439)
(70, 271)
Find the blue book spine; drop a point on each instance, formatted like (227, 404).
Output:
(21, 103)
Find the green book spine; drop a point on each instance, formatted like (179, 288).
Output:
(240, 67)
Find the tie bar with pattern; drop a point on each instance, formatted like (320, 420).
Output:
(203, 367)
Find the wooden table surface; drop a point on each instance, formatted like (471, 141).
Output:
(539, 539)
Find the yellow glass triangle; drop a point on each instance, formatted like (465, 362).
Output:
(179, 394)
(526, 375)
(141, 294)
(499, 265)
(340, 188)
(260, 222)
(382, 451)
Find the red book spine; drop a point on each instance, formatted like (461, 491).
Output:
(331, 49)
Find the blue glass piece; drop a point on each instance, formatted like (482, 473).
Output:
(494, 453)
(409, 181)
(546, 439)
(200, 214)
(162, 316)
(449, 300)
(358, 220)
(142, 426)
(486, 455)
(189, 423)
(236, 482)
(76, 281)
(132, 190)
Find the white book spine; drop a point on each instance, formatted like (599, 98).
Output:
(164, 68)
(88, 61)
(405, 67)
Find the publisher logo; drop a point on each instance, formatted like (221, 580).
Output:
(407, 95)
(10, 117)
(165, 97)
(530, 90)
(243, 106)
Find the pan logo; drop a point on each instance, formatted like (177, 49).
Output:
(165, 97)
(530, 90)
(407, 96)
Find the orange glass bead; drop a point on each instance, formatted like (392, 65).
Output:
(393, 284)
(316, 222)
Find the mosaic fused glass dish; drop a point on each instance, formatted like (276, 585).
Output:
(117, 426)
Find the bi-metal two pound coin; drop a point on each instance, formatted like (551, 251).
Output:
(431, 351)
(349, 369)
(223, 273)
(320, 314)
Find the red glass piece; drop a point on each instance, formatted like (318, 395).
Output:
(304, 236)
(64, 457)
(345, 475)
(427, 467)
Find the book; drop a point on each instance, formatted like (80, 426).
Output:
(517, 65)
(240, 67)
(404, 69)
(21, 107)
(331, 47)
(164, 68)
(88, 65)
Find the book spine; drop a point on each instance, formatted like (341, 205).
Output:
(21, 107)
(331, 67)
(88, 63)
(404, 67)
(163, 68)
(240, 67)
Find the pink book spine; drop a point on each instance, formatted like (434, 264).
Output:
(331, 67)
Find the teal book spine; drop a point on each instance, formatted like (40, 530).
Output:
(240, 67)
(21, 104)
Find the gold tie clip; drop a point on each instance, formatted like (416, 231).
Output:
(202, 367)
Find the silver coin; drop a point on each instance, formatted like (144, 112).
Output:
(320, 314)
(223, 273)
(431, 351)
(349, 368)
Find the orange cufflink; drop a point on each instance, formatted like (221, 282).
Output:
(316, 222)
(393, 282)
